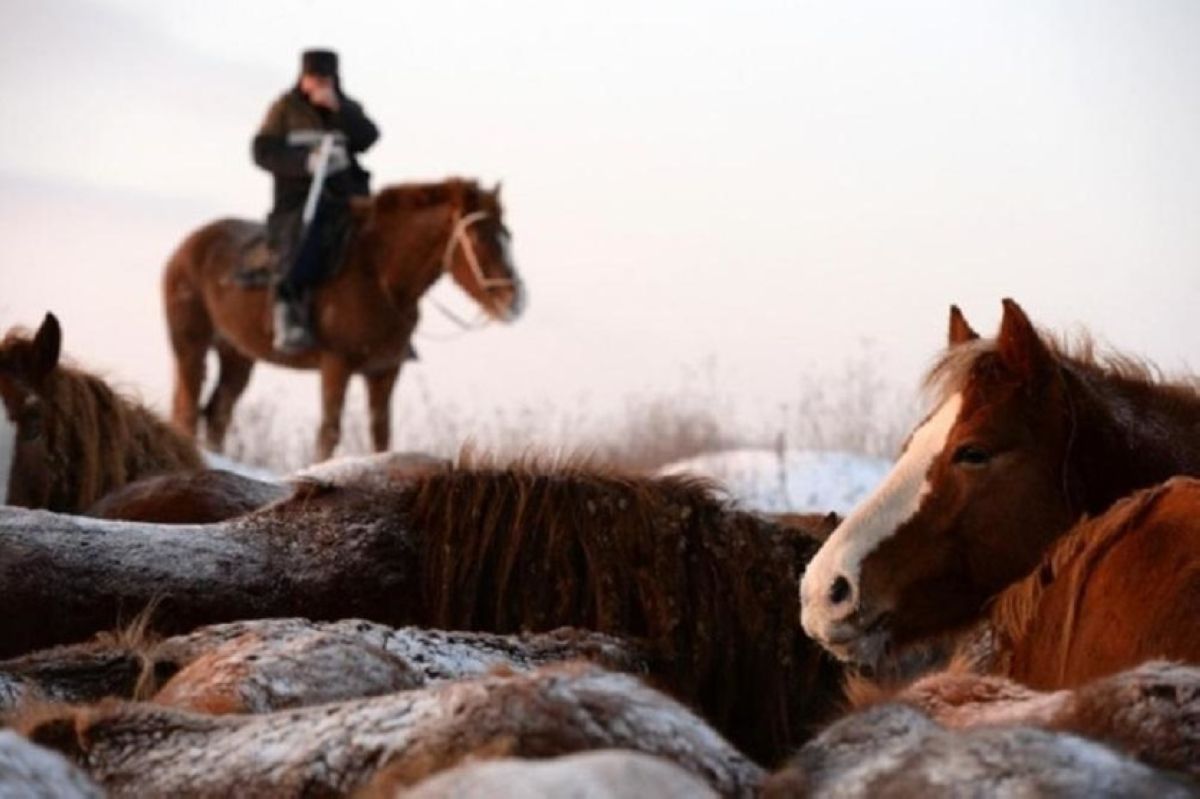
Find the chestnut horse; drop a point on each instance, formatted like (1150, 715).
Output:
(1119, 589)
(66, 438)
(1026, 437)
(403, 240)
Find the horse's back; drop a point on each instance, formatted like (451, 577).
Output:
(1124, 588)
(194, 497)
(212, 246)
(1150, 580)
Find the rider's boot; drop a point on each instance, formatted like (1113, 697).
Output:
(292, 333)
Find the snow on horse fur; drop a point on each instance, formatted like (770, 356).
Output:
(500, 549)
(895, 750)
(285, 663)
(604, 774)
(27, 770)
(270, 664)
(1151, 712)
(144, 750)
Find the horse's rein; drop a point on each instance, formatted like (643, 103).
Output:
(459, 238)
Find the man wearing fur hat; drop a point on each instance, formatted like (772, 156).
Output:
(288, 145)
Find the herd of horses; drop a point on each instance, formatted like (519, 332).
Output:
(1012, 612)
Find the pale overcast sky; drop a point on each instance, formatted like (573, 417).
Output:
(766, 183)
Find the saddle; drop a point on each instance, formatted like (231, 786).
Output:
(257, 268)
(258, 264)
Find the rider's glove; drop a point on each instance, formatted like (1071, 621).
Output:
(338, 160)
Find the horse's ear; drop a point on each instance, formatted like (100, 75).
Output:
(496, 191)
(1020, 347)
(960, 329)
(47, 345)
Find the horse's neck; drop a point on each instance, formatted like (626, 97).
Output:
(1128, 435)
(99, 442)
(414, 263)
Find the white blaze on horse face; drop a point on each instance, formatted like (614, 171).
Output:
(8, 451)
(875, 520)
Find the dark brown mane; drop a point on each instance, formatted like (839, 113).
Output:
(96, 439)
(953, 368)
(416, 196)
(665, 559)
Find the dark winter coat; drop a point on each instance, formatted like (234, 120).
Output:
(291, 117)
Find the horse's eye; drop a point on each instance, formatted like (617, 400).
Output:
(971, 455)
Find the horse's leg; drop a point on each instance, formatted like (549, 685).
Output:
(231, 382)
(335, 376)
(379, 403)
(191, 334)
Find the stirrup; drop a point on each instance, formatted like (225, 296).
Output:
(289, 336)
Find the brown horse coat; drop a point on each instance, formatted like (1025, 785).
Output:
(1121, 588)
(711, 590)
(195, 497)
(214, 495)
(331, 750)
(76, 438)
(404, 239)
(1026, 437)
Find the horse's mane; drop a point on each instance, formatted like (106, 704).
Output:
(1073, 556)
(711, 589)
(953, 369)
(416, 196)
(97, 438)
(108, 437)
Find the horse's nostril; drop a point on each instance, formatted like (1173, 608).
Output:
(839, 592)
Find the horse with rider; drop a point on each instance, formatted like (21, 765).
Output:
(333, 280)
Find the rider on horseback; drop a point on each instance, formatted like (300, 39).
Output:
(288, 145)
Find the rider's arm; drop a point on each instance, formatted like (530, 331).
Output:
(360, 132)
(271, 150)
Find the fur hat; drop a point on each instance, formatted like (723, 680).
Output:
(319, 62)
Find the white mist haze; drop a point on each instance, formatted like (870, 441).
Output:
(763, 185)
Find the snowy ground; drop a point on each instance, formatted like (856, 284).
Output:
(216, 461)
(800, 481)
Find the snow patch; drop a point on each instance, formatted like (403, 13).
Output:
(792, 481)
(226, 464)
(382, 469)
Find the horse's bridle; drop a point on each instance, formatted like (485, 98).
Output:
(460, 238)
